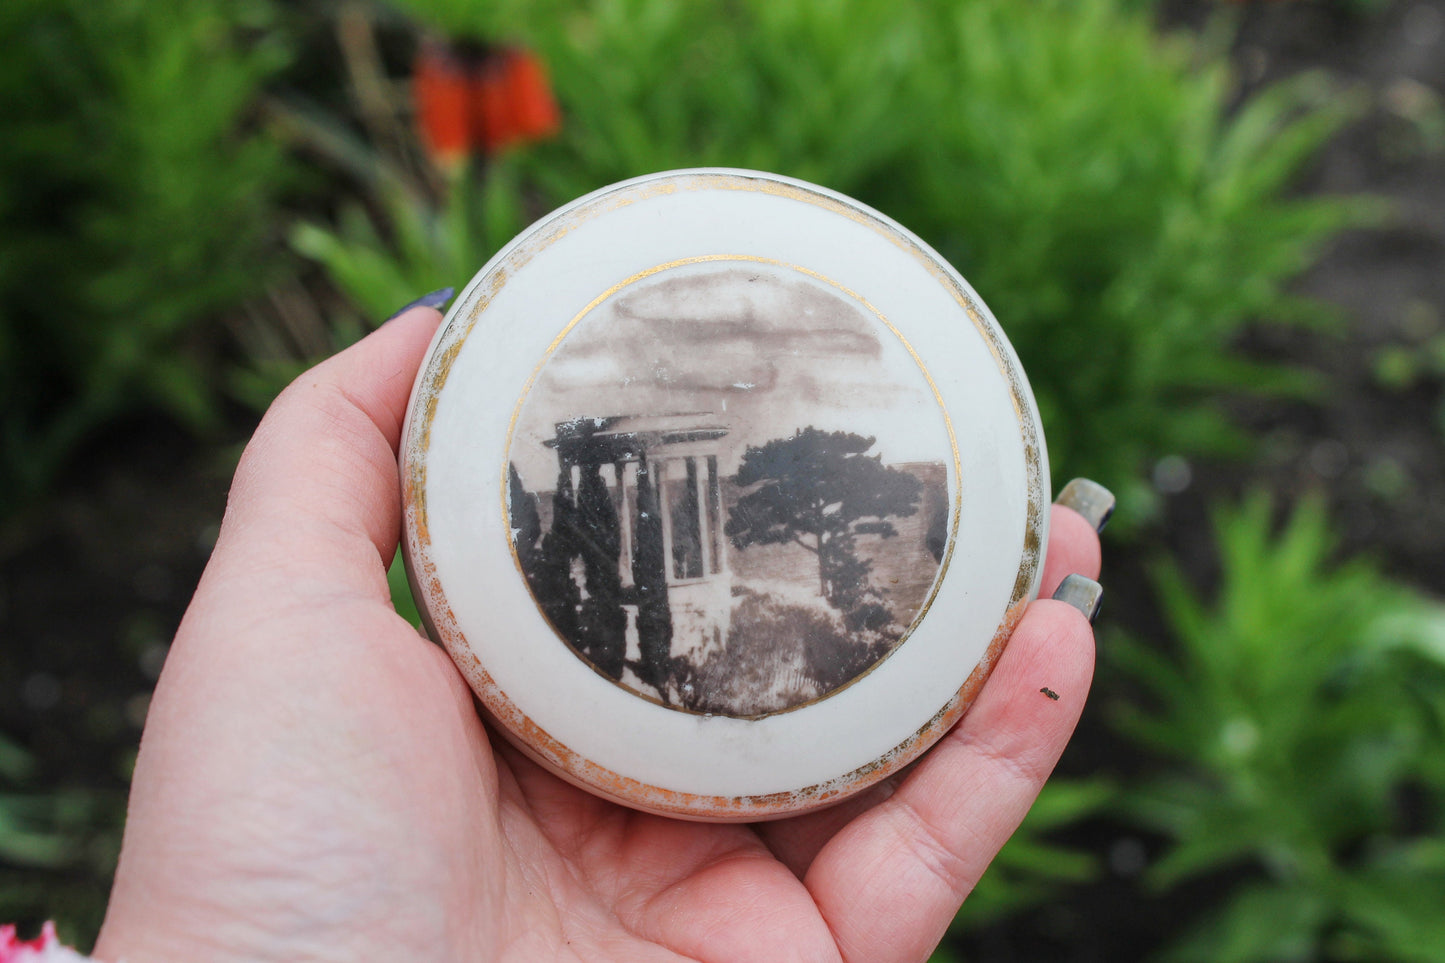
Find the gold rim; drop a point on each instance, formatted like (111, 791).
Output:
(441, 621)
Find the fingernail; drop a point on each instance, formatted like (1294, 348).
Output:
(1089, 499)
(1084, 594)
(436, 299)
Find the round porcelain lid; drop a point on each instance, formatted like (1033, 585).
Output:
(724, 492)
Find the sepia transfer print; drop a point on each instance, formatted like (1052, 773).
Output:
(728, 487)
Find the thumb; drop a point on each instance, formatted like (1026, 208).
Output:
(315, 503)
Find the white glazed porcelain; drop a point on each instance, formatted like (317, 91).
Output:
(724, 492)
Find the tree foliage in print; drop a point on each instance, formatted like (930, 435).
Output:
(821, 491)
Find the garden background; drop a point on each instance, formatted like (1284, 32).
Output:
(1215, 233)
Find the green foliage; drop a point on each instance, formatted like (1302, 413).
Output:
(1300, 714)
(401, 597)
(380, 263)
(136, 202)
(48, 841)
(1419, 356)
(1418, 359)
(421, 246)
(1092, 181)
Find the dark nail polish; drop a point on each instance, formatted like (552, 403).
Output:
(1084, 594)
(1089, 499)
(436, 299)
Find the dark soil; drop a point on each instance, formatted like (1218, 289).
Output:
(93, 585)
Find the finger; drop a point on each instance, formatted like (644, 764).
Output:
(1073, 549)
(795, 842)
(890, 882)
(316, 496)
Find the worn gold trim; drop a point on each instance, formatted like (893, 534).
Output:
(535, 741)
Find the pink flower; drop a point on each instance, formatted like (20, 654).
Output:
(45, 948)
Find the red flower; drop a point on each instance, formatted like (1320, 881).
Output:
(534, 111)
(484, 101)
(440, 85)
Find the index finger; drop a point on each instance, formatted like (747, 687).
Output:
(317, 494)
(891, 880)
(890, 870)
(1073, 549)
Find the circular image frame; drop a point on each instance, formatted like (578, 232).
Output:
(785, 558)
(459, 541)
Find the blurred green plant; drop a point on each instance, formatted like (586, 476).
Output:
(1098, 185)
(27, 833)
(1417, 360)
(53, 847)
(1301, 723)
(1418, 355)
(1399, 367)
(422, 246)
(137, 200)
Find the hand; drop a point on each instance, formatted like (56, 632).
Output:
(314, 783)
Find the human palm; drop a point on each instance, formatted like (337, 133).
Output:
(314, 781)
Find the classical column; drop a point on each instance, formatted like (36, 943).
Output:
(626, 475)
(664, 510)
(704, 522)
